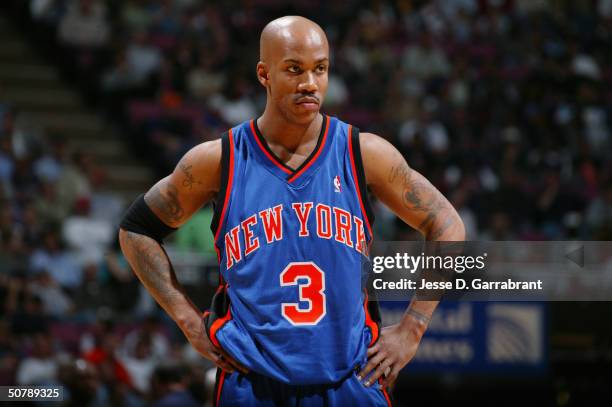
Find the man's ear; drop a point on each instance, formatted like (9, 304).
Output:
(262, 74)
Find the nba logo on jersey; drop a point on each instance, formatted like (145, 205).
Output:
(337, 185)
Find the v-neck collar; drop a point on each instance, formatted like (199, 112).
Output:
(289, 173)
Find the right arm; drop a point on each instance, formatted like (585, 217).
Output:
(194, 181)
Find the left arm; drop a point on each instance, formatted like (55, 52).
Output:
(418, 203)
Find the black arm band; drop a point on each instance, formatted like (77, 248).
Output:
(139, 218)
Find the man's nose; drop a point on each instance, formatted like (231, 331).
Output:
(308, 83)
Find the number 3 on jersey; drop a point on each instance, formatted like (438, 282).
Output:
(311, 292)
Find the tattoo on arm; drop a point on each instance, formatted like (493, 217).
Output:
(152, 266)
(167, 205)
(189, 178)
(415, 196)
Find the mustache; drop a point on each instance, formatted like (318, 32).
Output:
(301, 97)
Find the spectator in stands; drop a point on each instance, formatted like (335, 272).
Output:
(9, 353)
(121, 76)
(51, 207)
(40, 367)
(11, 286)
(140, 364)
(103, 326)
(143, 59)
(93, 295)
(46, 10)
(7, 164)
(166, 19)
(61, 265)
(84, 25)
(55, 301)
(29, 229)
(499, 229)
(159, 346)
(84, 34)
(49, 166)
(203, 80)
(7, 235)
(169, 384)
(238, 105)
(24, 182)
(119, 279)
(29, 317)
(138, 15)
(599, 215)
(83, 387)
(74, 182)
(459, 202)
(337, 92)
(85, 235)
(103, 356)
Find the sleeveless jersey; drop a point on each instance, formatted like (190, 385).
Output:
(292, 248)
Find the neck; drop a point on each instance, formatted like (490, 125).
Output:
(278, 130)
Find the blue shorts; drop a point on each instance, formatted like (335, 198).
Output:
(236, 389)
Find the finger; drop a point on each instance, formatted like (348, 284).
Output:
(387, 371)
(378, 372)
(235, 365)
(372, 363)
(232, 361)
(391, 377)
(225, 365)
(373, 349)
(222, 364)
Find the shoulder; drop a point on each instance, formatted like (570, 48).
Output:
(376, 149)
(195, 180)
(206, 152)
(377, 154)
(204, 156)
(202, 165)
(371, 143)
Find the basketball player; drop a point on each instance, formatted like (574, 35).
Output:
(290, 323)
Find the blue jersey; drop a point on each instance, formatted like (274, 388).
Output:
(292, 246)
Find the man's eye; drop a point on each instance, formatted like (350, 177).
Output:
(321, 68)
(294, 69)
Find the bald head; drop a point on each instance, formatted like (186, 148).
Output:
(290, 32)
(293, 67)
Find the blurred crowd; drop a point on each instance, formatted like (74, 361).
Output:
(72, 313)
(505, 105)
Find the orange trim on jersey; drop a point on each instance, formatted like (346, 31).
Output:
(370, 323)
(270, 156)
(387, 397)
(217, 325)
(384, 392)
(356, 178)
(228, 191)
(313, 159)
(228, 188)
(219, 387)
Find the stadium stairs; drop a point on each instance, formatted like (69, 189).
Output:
(34, 88)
